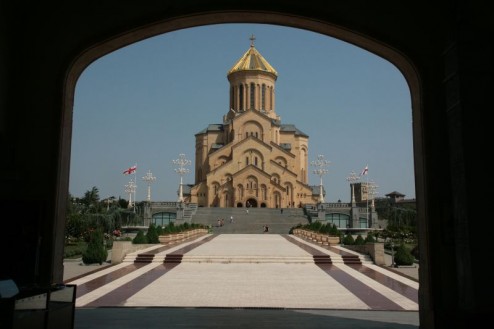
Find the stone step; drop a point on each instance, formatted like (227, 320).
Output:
(144, 258)
(317, 259)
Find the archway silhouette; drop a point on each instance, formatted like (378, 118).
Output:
(103, 47)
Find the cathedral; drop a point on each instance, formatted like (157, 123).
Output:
(252, 159)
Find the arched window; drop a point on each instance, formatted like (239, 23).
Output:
(241, 97)
(263, 97)
(271, 99)
(255, 161)
(252, 95)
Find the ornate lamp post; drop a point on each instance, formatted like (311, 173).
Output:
(320, 170)
(131, 189)
(149, 179)
(353, 178)
(181, 162)
(372, 187)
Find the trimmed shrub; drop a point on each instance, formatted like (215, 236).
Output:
(348, 240)
(370, 238)
(95, 251)
(140, 238)
(403, 256)
(359, 240)
(152, 234)
(334, 230)
(170, 228)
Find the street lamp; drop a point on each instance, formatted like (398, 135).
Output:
(181, 162)
(372, 191)
(353, 178)
(149, 179)
(131, 189)
(320, 170)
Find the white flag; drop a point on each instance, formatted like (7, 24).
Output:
(364, 171)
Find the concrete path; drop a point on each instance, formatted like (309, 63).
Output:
(272, 277)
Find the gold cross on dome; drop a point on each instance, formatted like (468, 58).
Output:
(252, 38)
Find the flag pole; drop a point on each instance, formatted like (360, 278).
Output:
(367, 198)
(135, 183)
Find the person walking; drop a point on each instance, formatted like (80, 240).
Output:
(231, 219)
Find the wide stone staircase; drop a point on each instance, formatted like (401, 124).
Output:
(247, 248)
(249, 230)
(251, 222)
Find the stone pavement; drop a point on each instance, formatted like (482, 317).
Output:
(244, 280)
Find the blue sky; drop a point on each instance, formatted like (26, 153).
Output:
(144, 103)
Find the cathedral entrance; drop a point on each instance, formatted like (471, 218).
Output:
(251, 203)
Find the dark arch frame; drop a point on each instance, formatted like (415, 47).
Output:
(126, 36)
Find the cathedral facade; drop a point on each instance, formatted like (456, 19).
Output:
(252, 159)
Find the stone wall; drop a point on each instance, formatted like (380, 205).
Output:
(374, 249)
(121, 248)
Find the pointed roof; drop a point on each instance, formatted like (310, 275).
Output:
(252, 60)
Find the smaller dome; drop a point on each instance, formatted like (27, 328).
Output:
(252, 60)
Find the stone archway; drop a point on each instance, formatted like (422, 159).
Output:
(251, 203)
(99, 49)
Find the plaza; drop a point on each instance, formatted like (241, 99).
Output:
(272, 277)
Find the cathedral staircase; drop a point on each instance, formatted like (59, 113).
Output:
(252, 222)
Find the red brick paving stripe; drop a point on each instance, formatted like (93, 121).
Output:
(194, 245)
(373, 298)
(89, 286)
(311, 250)
(369, 296)
(157, 250)
(119, 295)
(393, 284)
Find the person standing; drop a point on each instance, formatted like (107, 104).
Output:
(231, 219)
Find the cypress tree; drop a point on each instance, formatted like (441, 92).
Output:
(96, 251)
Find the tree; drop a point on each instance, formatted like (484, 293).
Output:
(152, 234)
(140, 238)
(359, 240)
(96, 251)
(122, 203)
(348, 240)
(403, 256)
(91, 200)
(370, 238)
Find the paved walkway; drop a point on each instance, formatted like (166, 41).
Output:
(272, 277)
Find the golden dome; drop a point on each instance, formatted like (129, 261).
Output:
(252, 60)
